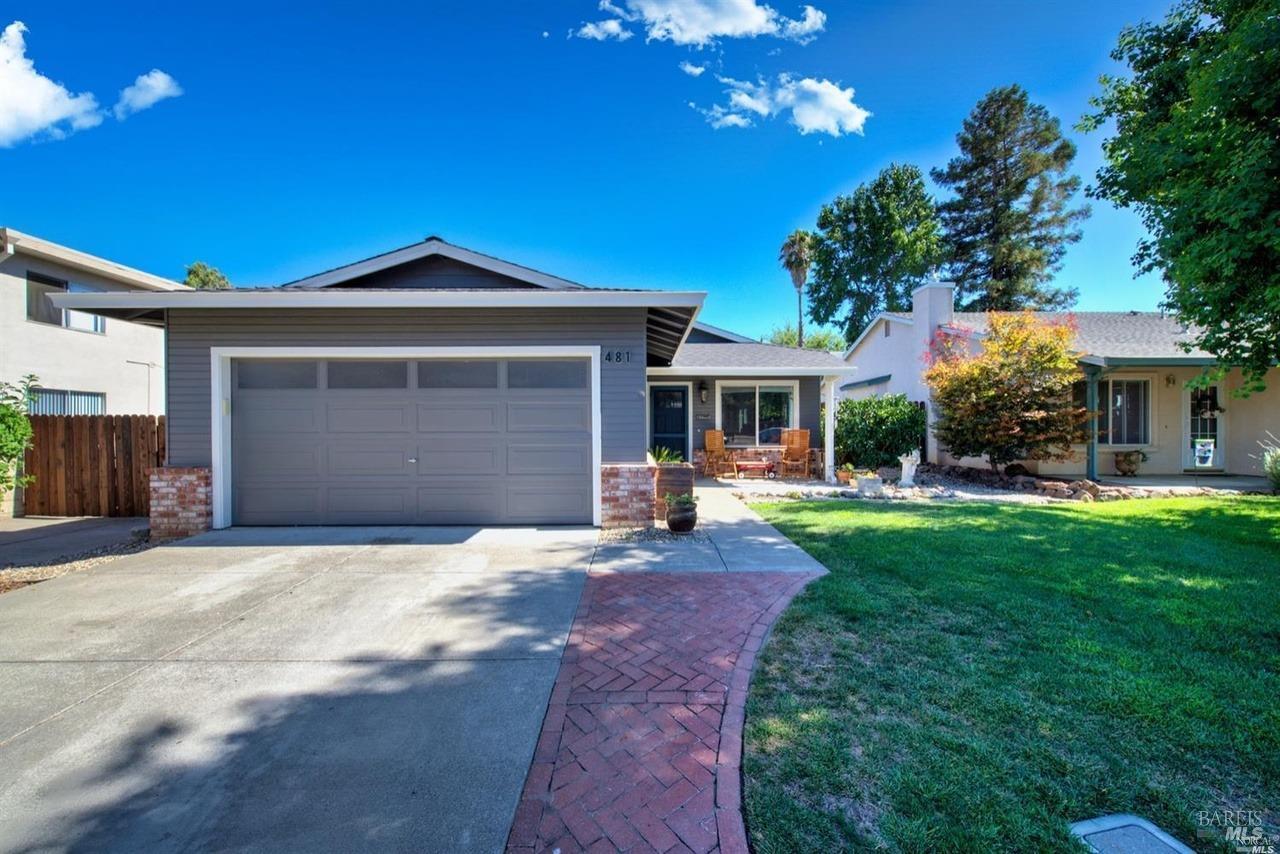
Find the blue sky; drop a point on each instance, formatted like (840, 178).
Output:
(302, 142)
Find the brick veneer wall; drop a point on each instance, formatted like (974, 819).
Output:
(181, 502)
(626, 495)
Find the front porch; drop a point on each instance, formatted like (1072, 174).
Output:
(1227, 484)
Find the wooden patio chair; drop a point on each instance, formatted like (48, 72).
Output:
(716, 456)
(795, 453)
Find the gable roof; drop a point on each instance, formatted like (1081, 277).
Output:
(13, 242)
(884, 316)
(432, 246)
(1112, 335)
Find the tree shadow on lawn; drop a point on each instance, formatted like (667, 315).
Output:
(425, 751)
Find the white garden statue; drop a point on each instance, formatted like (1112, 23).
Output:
(909, 463)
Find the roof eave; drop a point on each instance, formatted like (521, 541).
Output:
(13, 241)
(747, 371)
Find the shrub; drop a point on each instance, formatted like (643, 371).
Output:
(1270, 457)
(875, 431)
(1012, 400)
(15, 432)
(663, 454)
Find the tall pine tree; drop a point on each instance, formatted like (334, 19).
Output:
(1010, 220)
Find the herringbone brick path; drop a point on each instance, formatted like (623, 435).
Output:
(641, 747)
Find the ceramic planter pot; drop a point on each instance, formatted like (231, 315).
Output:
(843, 476)
(681, 518)
(1127, 463)
(870, 487)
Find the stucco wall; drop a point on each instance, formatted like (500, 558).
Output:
(75, 359)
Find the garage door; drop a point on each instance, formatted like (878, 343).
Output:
(433, 442)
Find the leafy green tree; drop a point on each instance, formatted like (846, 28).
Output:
(817, 339)
(796, 256)
(203, 277)
(1011, 400)
(1010, 221)
(874, 246)
(875, 431)
(1196, 152)
(15, 431)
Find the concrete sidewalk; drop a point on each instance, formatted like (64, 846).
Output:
(42, 540)
(738, 541)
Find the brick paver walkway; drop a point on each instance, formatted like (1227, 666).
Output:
(641, 748)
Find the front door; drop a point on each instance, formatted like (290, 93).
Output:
(669, 418)
(1204, 420)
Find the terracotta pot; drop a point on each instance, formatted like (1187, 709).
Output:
(1127, 463)
(843, 476)
(682, 518)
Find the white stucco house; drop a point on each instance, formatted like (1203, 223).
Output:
(1132, 363)
(86, 364)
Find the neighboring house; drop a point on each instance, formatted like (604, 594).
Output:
(433, 384)
(86, 364)
(1141, 373)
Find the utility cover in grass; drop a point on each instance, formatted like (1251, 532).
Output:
(1126, 834)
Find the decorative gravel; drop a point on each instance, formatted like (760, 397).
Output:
(935, 489)
(656, 534)
(22, 576)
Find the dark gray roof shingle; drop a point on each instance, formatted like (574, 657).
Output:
(753, 355)
(1114, 334)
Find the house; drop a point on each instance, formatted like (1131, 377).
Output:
(437, 385)
(1134, 360)
(86, 364)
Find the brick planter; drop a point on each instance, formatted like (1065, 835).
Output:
(181, 502)
(626, 495)
(671, 479)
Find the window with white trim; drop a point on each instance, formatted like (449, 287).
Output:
(1124, 410)
(752, 414)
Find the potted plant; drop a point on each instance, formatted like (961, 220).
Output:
(844, 474)
(1127, 462)
(682, 513)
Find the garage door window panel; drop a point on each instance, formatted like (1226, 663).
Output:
(368, 375)
(547, 374)
(458, 374)
(276, 374)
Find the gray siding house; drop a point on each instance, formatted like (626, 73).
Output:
(437, 385)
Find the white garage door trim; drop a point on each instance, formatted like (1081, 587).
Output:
(220, 402)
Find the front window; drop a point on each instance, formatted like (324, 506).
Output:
(1124, 410)
(756, 413)
(56, 401)
(42, 310)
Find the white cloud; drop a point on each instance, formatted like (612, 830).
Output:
(603, 31)
(702, 22)
(147, 91)
(32, 104)
(692, 70)
(815, 106)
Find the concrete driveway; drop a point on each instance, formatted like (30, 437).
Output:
(284, 690)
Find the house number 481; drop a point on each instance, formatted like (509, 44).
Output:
(617, 355)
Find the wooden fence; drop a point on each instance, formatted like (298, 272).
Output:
(92, 465)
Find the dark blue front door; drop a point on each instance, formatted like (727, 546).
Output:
(669, 418)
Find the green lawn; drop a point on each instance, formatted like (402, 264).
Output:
(974, 676)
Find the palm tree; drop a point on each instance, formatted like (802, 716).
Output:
(795, 256)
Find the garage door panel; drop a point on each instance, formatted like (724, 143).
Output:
(269, 461)
(456, 416)
(549, 459)
(369, 461)
(464, 501)
(369, 418)
(277, 416)
(460, 455)
(432, 455)
(549, 414)
(278, 504)
(536, 503)
(369, 504)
